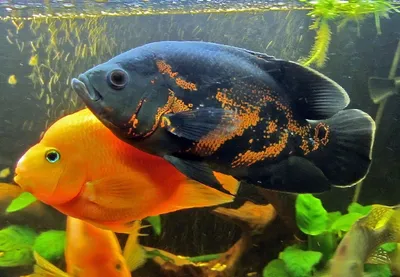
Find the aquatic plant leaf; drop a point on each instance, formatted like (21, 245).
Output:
(332, 217)
(204, 258)
(324, 243)
(16, 246)
(357, 208)
(155, 253)
(389, 247)
(298, 262)
(56, 239)
(319, 52)
(275, 268)
(345, 222)
(378, 270)
(311, 217)
(21, 202)
(155, 222)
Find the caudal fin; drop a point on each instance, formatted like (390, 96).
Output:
(345, 154)
(382, 88)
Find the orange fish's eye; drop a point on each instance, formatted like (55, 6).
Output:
(52, 156)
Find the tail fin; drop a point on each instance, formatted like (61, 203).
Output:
(382, 88)
(346, 157)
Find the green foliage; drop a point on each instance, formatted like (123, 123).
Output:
(377, 270)
(50, 244)
(311, 217)
(357, 208)
(155, 222)
(21, 202)
(300, 263)
(324, 231)
(344, 223)
(341, 12)
(16, 246)
(276, 268)
(204, 258)
(389, 247)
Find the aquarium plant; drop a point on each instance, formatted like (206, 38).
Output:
(324, 231)
(328, 12)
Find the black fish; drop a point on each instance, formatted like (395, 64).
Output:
(205, 106)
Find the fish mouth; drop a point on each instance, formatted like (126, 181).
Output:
(82, 87)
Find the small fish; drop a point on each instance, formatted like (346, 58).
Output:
(12, 80)
(380, 226)
(208, 107)
(93, 252)
(80, 168)
(382, 88)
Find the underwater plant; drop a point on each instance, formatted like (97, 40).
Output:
(324, 231)
(325, 12)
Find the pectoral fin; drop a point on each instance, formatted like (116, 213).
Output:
(118, 191)
(195, 124)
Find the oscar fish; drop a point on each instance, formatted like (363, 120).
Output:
(208, 107)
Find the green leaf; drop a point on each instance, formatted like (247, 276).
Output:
(378, 270)
(21, 202)
(311, 217)
(325, 243)
(389, 247)
(276, 268)
(204, 258)
(345, 222)
(332, 217)
(155, 222)
(298, 262)
(357, 208)
(16, 246)
(50, 244)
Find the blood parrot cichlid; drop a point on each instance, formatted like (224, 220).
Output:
(94, 252)
(208, 107)
(80, 168)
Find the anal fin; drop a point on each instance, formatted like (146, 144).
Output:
(44, 268)
(295, 175)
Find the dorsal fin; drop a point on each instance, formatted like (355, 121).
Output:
(315, 95)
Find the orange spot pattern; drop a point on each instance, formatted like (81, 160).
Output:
(272, 127)
(250, 117)
(251, 157)
(247, 117)
(321, 127)
(165, 68)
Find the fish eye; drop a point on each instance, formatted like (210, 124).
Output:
(118, 266)
(52, 156)
(118, 78)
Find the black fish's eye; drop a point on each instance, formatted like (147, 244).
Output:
(52, 156)
(118, 78)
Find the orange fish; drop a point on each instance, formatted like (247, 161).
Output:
(83, 170)
(93, 252)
